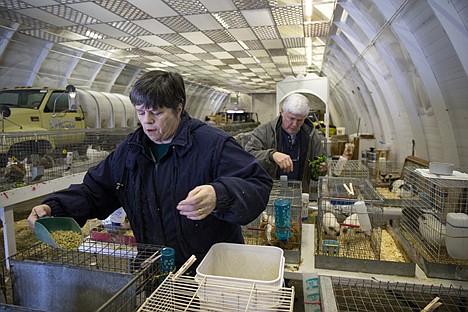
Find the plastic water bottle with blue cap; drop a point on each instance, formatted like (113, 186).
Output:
(283, 218)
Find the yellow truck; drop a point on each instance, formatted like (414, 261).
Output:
(37, 120)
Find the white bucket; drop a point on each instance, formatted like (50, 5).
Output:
(340, 130)
(456, 239)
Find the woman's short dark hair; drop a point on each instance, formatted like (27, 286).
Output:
(157, 89)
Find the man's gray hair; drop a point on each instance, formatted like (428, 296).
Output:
(296, 104)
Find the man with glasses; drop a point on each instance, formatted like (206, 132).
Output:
(286, 144)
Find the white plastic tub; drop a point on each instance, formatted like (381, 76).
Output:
(457, 235)
(261, 267)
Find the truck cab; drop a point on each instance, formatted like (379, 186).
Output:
(29, 114)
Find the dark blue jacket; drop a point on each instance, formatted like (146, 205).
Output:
(149, 192)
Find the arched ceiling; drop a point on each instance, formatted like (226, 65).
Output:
(238, 45)
(398, 68)
(401, 67)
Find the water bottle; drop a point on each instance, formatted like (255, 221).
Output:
(283, 218)
(167, 263)
(305, 206)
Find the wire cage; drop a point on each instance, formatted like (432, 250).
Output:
(345, 294)
(261, 231)
(350, 219)
(427, 204)
(184, 293)
(99, 276)
(29, 157)
(347, 168)
(386, 173)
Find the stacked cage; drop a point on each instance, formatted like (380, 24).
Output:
(350, 219)
(27, 157)
(344, 294)
(348, 169)
(262, 230)
(98, 276)
(428, 206)
(184, 293)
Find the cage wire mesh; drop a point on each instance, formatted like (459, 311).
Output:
(350, 219)
(186, 293)
(348, 168)
(31, 157)
(426, 203)
(371, 295)
(99, 276)
(261, 231)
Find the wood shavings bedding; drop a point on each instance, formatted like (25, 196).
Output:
(390, 250)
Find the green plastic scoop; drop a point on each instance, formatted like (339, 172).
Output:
(44, 226)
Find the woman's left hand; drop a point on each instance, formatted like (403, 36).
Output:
(200, 202)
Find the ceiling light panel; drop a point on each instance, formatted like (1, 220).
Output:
(154, 26)
(260, 17)
(231, 46)
(218, 5)
(272, 44)
(243, 34)
(204, 21)
(95, 11)
(155, 40)
(222, 55)
(192, 49)
(188, 57)
(291, 31)
(153, 8)
(46, 16)
(197, 37)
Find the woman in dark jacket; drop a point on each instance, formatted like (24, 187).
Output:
(182, 183)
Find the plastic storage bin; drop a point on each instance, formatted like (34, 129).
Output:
(456, 239)
(233, 264)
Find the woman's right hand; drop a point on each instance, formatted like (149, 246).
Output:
(38, 212)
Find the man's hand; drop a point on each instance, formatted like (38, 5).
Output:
(200, 202)
(284, 161)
